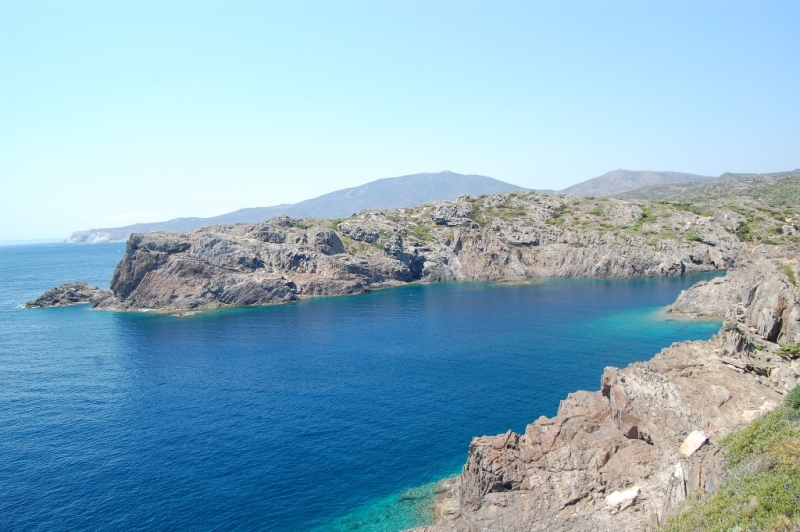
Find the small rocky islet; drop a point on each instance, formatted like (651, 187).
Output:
(69, 294)
(625, 457)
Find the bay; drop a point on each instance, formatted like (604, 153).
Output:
(334, 413)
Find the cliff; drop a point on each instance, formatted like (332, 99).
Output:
(500, 237)
(627, 456)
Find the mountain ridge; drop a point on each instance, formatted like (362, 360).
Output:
(387, 193)
(621, 181)
(728, 184)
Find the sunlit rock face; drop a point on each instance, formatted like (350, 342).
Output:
(500, 237)
(627, 456)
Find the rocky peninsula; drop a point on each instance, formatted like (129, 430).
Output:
(625, 457)
(500, 237)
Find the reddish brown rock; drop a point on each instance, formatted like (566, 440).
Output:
(611, 460)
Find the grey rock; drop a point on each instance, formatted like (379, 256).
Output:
(69, 294)
(499, 237)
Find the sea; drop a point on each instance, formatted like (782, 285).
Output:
(330, 414)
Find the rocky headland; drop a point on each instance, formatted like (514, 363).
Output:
(499, 237)
(627, 456)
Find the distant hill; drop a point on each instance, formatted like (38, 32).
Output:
(776, 188)
(620, 181)
(405, 191)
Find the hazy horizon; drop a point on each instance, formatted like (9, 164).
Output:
(126, 112)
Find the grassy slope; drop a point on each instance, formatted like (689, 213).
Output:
(762, 490)
(728, 185)
(767, 201)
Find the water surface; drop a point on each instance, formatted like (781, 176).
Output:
(320, 414)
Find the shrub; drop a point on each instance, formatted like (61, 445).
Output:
(789, 351)
(787, 269)
(793, 399)
(762, 490)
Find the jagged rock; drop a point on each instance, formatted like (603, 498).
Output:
(361, 233)
(626, 446)
(500, 237)
(451, 213)
(69, 294)
(764, 299)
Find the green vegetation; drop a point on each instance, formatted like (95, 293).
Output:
(335, 223)
(597, 211)
(695, 209)
(789, 351)
(693, 237)
(421, 233)
(302, 225)
(793, 399)
(560, 211)
(787, 269)
(762, 491)
(783, 193)
(352, 246)
(651, 213)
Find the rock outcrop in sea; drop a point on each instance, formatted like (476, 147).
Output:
(69, 294)
(626, 457)
(500, 237)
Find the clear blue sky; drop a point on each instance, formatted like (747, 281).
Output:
(118, 112)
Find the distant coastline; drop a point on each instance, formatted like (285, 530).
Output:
(33, 241)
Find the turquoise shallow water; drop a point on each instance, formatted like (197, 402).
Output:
(329, 414)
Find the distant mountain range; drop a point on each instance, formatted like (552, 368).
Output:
(620, 181)
(393, 192)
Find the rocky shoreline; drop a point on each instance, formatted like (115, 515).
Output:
(501, 237)
(626, 457)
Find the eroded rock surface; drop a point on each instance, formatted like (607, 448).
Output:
(500, 237)
(618, 458)
(69, 294)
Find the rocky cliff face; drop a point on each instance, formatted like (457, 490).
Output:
(627, 456)
(499, 237)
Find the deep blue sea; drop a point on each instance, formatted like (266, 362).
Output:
(335, 413)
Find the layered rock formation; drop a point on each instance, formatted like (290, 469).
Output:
(627, 456)
(500, 237)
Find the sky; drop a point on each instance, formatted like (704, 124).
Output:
(115, 112)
